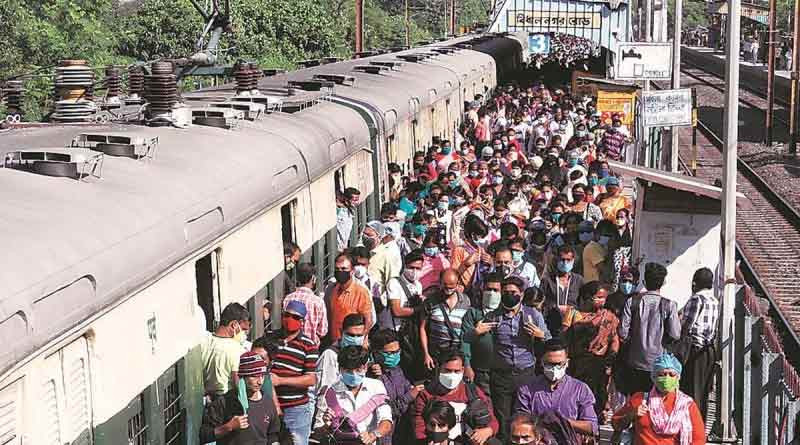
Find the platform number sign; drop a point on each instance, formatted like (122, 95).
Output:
(539, 43)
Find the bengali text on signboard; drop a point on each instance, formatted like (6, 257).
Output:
(667, 108)
(550, 19)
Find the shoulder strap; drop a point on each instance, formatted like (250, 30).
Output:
(450, 329)
(366, 410)
(332, 401)
(404, 285)
(472, 390)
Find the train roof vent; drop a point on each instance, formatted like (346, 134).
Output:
(75, 163)
(423, 42)
(270, 103)
(311, 85)
(415, 58)
(273, 71)
(444, 39)
(338, 79)
(464, 45)
(250, 110)
(309, 63)
(129, 146)
(226, 118)
(327, 60)
(445, 50)
(362, 54)
(387, 63)
(395, 49)
(371, 69)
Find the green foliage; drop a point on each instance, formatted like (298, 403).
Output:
(159, 28)
(694, 14)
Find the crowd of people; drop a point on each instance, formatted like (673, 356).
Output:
(495, 301)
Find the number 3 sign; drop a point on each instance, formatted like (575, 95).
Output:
(539, 43)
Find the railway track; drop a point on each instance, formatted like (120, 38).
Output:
(768, 231)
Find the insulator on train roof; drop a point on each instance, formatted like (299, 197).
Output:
(113, 83)
(309, 63)
(161, 91)
(246, 75)
(74, 86)
(135, 85)
(14, 94)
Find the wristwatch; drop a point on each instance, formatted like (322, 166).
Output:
(377, 434)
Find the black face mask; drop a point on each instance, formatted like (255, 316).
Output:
(510, 300)
(342, 276)
(437, 436)
(504, 270)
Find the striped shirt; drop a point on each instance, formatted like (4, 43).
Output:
(295, 358)
(440, 336)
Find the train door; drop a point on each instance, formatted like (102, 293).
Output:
(66, 400)
(208, 295)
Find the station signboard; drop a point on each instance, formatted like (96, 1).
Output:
(667, 108)
(643, 61)
(620, 103)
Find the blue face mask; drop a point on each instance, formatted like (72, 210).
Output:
(454, 184)
(626, 287)
(442, 205)
(555, 217)
(516, 256)
(431, 251)
(391, 359)
(604, 240)
(351, 340)
(446, 150)
(565, 266)
(352, 378)
(573, 162)
(498, 180)
(585, 237)
(604, 173)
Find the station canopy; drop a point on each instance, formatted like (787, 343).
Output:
(602, 22)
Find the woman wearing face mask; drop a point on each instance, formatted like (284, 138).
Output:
(521, 267)
(665, 415)
(466, 257)
(620, 246)
(434, 261)
(440, 418)
(583, 206)
(442, 212)
(591, 333)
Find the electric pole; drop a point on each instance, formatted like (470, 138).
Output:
(676, 78)
(359, 26)
(770, 72)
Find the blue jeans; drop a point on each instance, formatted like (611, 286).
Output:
(298, 421)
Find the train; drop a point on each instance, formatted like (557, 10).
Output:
(111, 281)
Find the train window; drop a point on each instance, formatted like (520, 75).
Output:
(288, 212)
(137, 422)
(11, 414)
(208, 288)
(173, 413)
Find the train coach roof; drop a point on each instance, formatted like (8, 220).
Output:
(75, 247)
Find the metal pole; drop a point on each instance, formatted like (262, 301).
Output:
(359, 26)
(770, 72)
(676, 77)
(453, 17)
(408, 27)
(694, 132)
(730, 138)
(795, 61)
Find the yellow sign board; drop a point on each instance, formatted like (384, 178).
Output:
(550, 19)
(614, 102)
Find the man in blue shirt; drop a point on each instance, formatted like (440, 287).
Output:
(517, 328)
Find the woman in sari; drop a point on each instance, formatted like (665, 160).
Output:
(665, 415)
(591, 333)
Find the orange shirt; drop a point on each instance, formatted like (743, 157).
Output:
(612, 204)
(353, 298)
(643, 427)
(457, 258)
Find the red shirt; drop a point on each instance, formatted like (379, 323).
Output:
(459, 396)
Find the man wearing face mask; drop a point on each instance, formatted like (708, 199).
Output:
(354, 332)
(386, 353)
(556, 391)
(561, 285)
(221, 351)
(293, 372)
(344, 297)
(385, 262)
(595, 254)
(354, 409)
(478, 340)
(441, 330)
(472, 407)
(316, 324)
(517, 329)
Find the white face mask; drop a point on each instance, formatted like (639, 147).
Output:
(491, 299)
(411, 275)
(555, 373)
(360, 272)
(450, 380)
